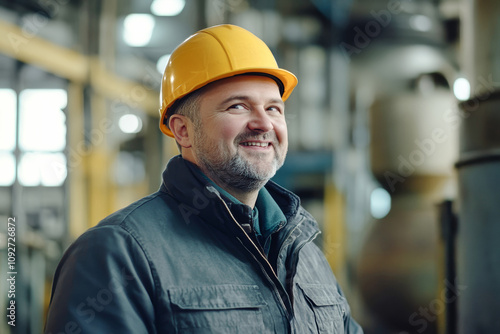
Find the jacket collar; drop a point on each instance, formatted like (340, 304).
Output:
(197, 197)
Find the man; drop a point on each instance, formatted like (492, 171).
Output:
(219, 248)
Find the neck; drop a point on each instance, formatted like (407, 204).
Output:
(247, 197)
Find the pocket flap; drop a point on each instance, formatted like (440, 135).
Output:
(321, 295)
(217, 297)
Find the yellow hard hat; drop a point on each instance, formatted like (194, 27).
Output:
(215, 53)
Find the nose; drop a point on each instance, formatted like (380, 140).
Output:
(260, 121)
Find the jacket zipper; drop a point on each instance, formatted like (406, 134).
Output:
(287, 312)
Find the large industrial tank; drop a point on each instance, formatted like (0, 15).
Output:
(413, 149)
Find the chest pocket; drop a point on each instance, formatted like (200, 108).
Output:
(328, 306)
(218, 309)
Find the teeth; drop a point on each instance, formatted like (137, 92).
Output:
(256, 144)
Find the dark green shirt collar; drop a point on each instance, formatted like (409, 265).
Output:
(270, 214)
(266, 215)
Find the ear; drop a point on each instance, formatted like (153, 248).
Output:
(179, 125)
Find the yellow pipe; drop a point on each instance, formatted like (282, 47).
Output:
(76, 67)
(76, 161)
(33, 50)
(334, 233)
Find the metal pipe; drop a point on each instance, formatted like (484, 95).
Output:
(478, 248)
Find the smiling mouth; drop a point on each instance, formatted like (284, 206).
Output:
(253, 143)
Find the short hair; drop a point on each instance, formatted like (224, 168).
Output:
(188, 106)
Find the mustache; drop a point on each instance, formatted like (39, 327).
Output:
(251, 135)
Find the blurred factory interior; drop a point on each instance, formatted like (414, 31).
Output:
(393, 130)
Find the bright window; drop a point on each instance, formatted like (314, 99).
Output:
(7, 120)
(7, 168)
(7, 136)
(42, 137)
(45, 169)
(42, 121)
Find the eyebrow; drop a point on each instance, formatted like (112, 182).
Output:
(247, 98)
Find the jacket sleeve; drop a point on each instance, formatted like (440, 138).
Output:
(103, 284)
(352, 327)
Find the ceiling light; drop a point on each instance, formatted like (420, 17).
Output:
(167, 7)
(130, 123)
(461, 89)
(420, 23)
(380, 203)
(138, 29)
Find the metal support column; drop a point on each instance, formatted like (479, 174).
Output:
(478, 246)
(448, 229)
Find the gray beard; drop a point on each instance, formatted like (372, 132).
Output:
(237, 173)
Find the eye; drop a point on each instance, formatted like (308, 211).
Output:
(237, 106)
(275, 109)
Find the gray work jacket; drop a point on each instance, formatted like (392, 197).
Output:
(179, 261)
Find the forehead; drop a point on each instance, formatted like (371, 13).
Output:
(245, 85)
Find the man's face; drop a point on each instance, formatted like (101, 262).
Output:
(241, 140)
